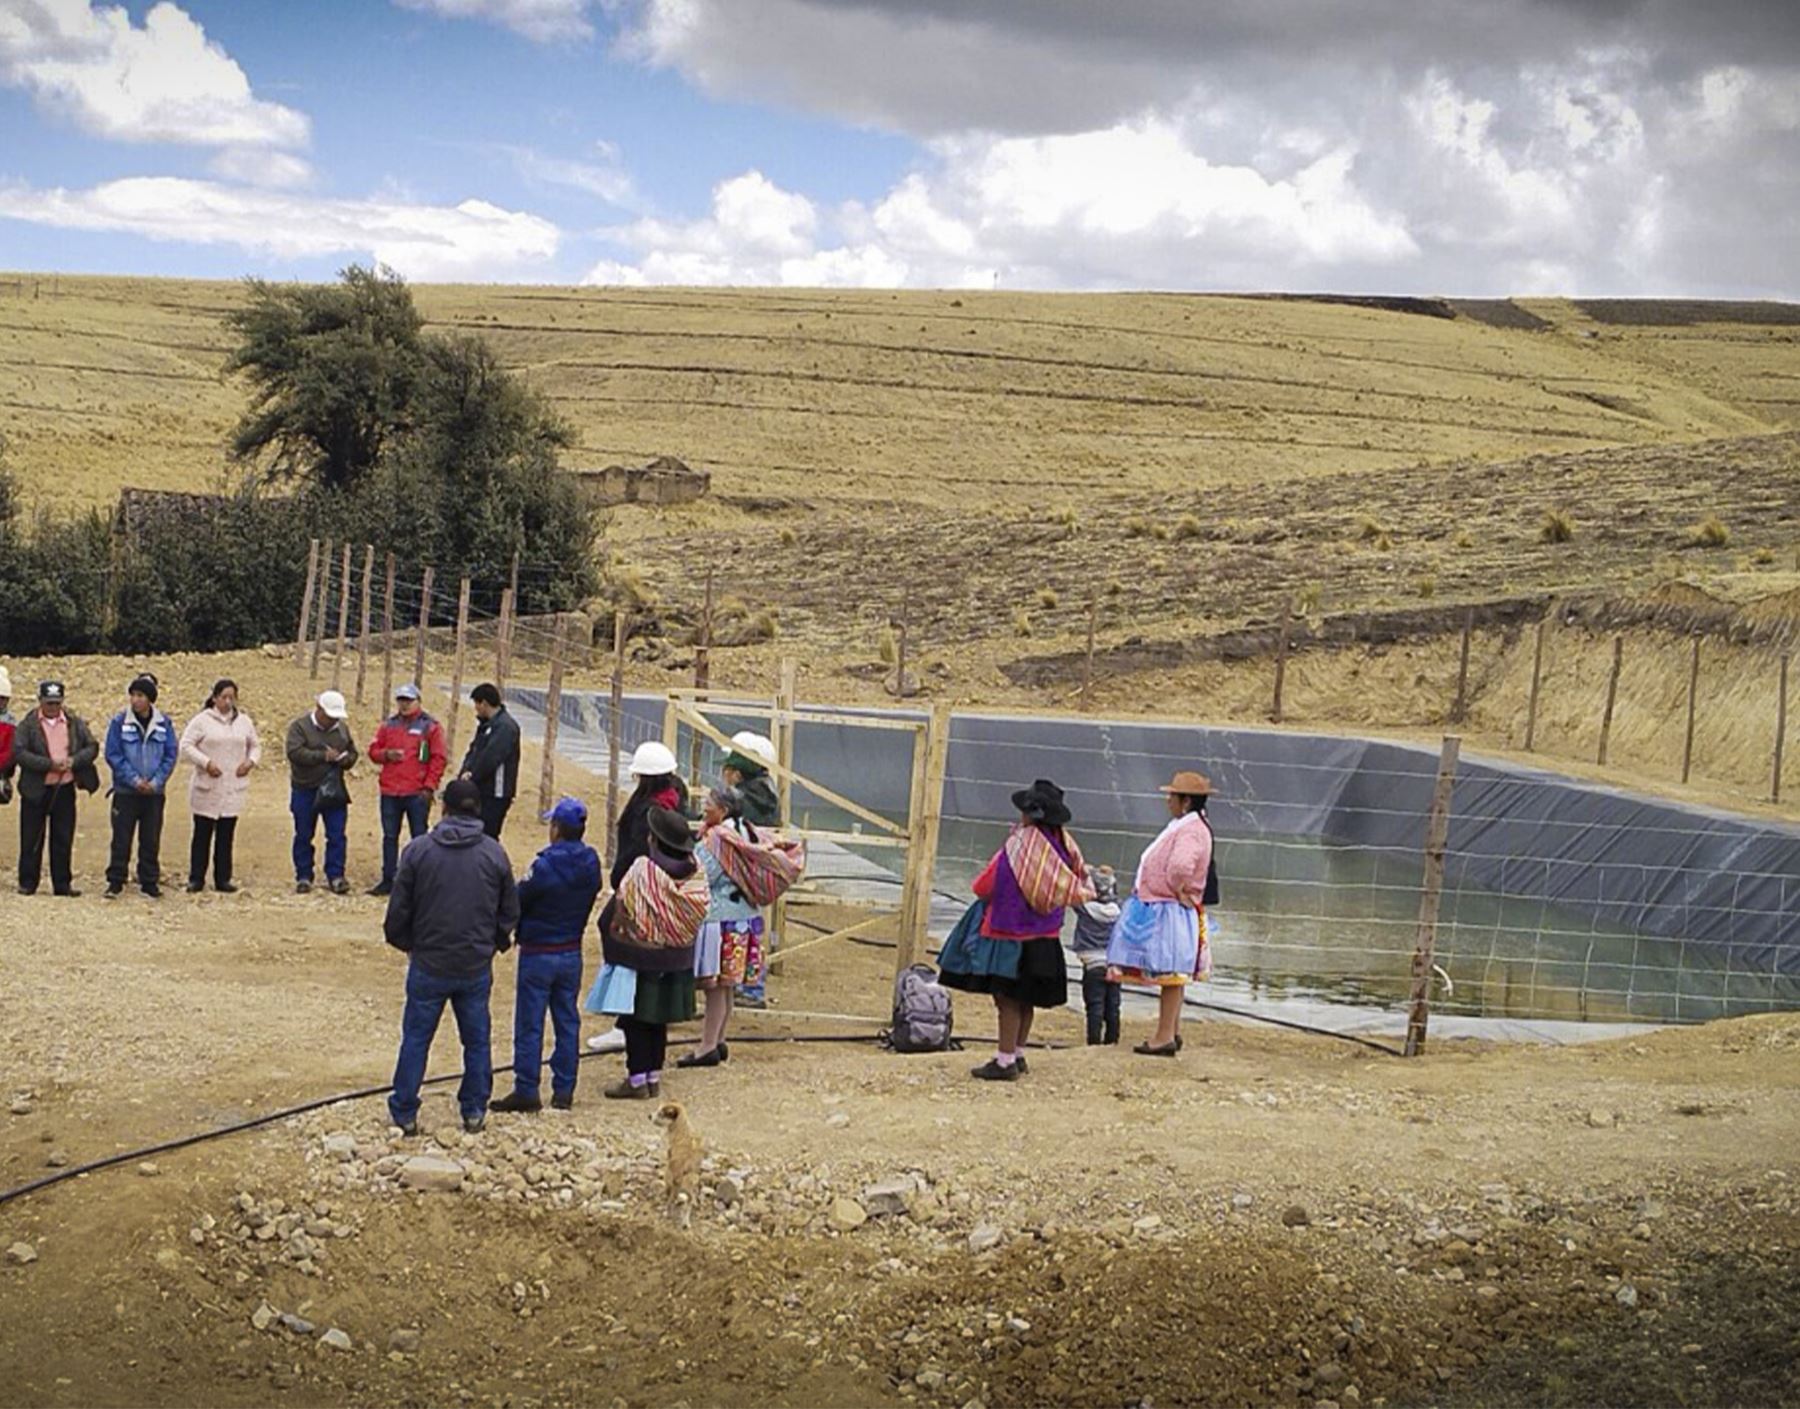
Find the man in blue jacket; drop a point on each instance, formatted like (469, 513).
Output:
(453, 908)
(556, 897)
(141, 749)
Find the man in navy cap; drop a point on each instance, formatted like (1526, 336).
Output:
(556, 897)
(141, 749)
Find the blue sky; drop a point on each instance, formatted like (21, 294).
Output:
(1486, 147)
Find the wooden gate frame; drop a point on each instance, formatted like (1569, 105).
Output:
(918, 836)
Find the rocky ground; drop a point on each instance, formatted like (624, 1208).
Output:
(1272, 1219)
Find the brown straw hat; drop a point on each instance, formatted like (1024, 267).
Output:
(1189, 784)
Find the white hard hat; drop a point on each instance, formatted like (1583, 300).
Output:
(652, 760)
(5, 684)
(333, 705)
(755, 746)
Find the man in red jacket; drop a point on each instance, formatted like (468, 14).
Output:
(409, 746)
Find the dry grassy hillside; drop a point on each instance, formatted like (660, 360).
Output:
(934, 398)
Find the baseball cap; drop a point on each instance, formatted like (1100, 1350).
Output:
(50, 690)
(333, 704)
(568, 812)
(407, 692)
(462, 796)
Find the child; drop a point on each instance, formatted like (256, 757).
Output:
(1093, 928)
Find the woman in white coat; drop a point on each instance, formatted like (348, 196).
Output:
(221, 743)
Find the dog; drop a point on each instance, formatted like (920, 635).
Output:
(683, 1153)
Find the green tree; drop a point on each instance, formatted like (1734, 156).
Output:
(334, 370)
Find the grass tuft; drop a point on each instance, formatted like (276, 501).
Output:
(1557, 527)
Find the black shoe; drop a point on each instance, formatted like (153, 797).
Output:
(383, 888)
(195, 887)
(623, 1090)
(563, 1101)
(70, 894)
(410, 1129)
(724, 1050)
(302, 887)
(340, 886)
(701, 1059)
(1023, 1066)
(474, 1124)
(991, 1070)
(152, 892)
(113, 892)
(226, 888)
(1144, 1049)
(27, 890)
(516, 1104)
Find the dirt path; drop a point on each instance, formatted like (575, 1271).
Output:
(1272, 1219)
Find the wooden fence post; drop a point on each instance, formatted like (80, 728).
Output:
(424, 627)
(318, 641)
(1780, 728)
(503, 640)
(614, 726)
(552, 718)
(387, 639)
(1087, 670)
(1612, 695)
(784, 789)
(343, 636)
(1431, 893)
(1687, 748)
(1281, 652)
(702, 668)
(312, 577)
(1537, 679)
(1460, 709)
(456, 673)
(925, 817)
(362, 648)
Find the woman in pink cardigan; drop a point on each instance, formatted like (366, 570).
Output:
(221, 743)
(1160, 937)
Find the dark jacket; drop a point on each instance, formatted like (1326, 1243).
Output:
(493, 756)
(454, 903)
(762, 804)
(306, 744)
(31, 754)
(136, 750)
(634, 825)
(557, 895)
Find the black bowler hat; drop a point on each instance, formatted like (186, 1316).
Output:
(671, 831)
(1043, 802)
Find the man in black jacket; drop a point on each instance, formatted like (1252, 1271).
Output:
(492, 763)
(454, 906)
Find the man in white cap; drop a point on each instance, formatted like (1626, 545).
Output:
(8, 727)
(320, 752)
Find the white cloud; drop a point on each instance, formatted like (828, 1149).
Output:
(164, 82)
(473, 240)
(257, 166)
(605, 177)
(1130, 206)
(541, 20)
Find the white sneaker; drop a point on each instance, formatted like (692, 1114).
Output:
(612, 1040)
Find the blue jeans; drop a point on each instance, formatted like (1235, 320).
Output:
(416, 810)
(426, 994)
(551, 981)
(304, 804)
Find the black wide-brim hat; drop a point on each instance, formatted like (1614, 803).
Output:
(671, 831)
(1043, 802)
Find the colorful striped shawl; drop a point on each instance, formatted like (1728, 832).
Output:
(1047, 882)
(659, 911)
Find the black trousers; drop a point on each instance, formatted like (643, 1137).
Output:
(493, 815)
(1101, 999)
(53, 812)
(213, 837)
(140, 813)
(646, 1045)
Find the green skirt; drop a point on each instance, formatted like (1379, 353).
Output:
(665, 998)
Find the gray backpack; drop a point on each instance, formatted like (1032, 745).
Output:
(921, 1012)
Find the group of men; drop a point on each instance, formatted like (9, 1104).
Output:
(51, 754)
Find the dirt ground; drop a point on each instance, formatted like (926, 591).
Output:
(1271, 1219)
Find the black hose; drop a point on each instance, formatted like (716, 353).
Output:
(254, 1122)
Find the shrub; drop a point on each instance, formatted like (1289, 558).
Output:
(1187, 527)
(1464, 539)
(1371, 530)
(1137, 526)
(1021, 622)
(1557, 527)
(1762, 557)
(1047, 598)
(1710, 532)
(1426, 585)
(787, 538)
